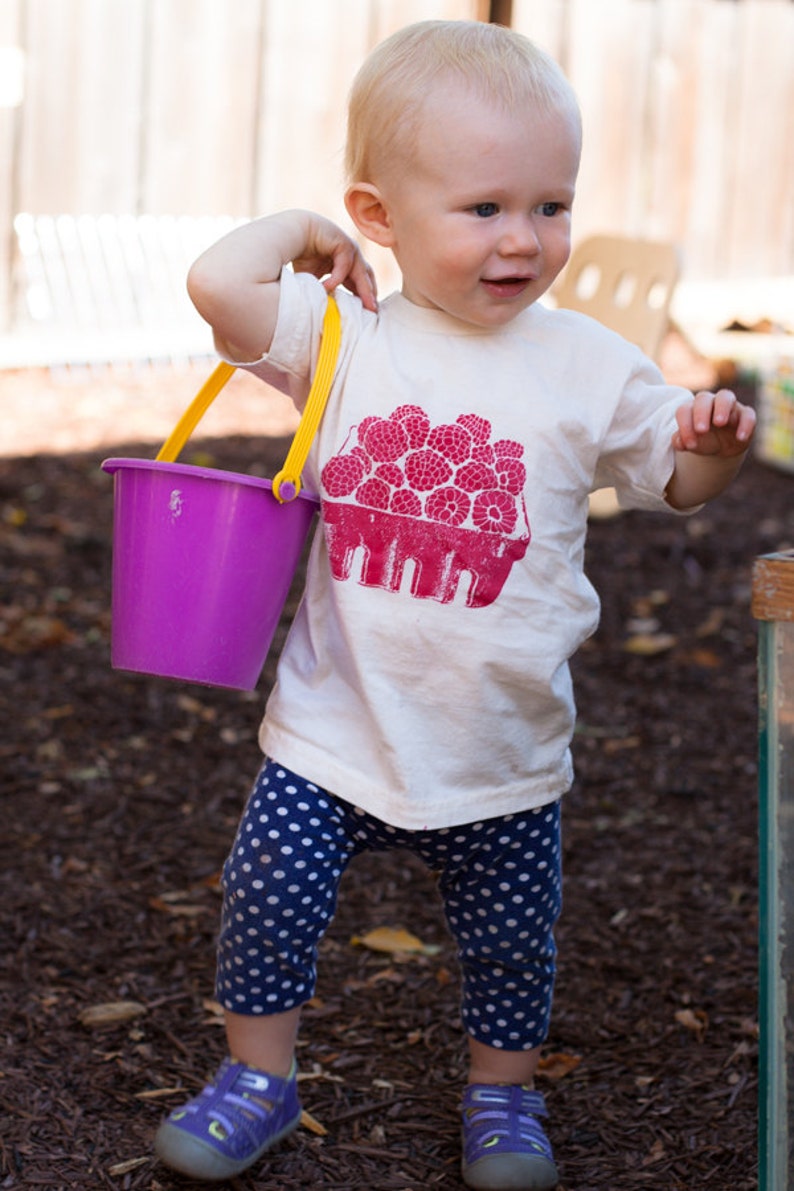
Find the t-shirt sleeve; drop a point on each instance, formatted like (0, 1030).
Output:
(637, 458)
(289, 364)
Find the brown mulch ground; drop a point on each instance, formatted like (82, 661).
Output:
(120, 797)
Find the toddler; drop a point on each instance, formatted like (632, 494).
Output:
(423, 698)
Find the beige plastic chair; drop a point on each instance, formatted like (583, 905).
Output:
(626, 284)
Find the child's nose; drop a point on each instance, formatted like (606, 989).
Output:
(520, 237)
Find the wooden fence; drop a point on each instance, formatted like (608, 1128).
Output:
(199, 108)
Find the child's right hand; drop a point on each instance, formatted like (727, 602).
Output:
(330, 254)
(234, 285)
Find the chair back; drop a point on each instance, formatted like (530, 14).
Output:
(625, 284)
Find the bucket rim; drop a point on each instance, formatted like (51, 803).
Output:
(193, 471)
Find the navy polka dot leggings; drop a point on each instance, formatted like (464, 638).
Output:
(499, 879)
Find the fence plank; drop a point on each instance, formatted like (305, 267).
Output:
(718, 163)
(201, 106)
(9, 124)
(764, 140)
(300, 142)
(390, 15)
(609, 54)
(79, 144)
(545, 23)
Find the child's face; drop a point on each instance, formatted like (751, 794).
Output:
(480, 217)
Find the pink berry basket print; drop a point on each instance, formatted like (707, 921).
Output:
(444, 501)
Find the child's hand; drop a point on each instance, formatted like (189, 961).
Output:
(332, 255)
(714, 424)
(235, 283)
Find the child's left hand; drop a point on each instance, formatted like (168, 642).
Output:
(714, 424)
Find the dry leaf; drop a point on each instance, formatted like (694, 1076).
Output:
(647, 625)
(712, 624)
(621, 743)
(649, 644)
(707, 659)
(178, 910)
(394, 940)
(309, 1122)
(58, 713)
(176, 902)
(695, 1020)
(196, 707)
(646, 605)
(213, 881)
(125, 1167)
(318, 1072)
(72, 864)
(111, 1013)
(22, 632)
(215, 1011)
(16, 516)
(655, 1154)
(558, 1064)
(390, 974)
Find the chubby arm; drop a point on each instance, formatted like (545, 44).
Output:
(714, 432)
(234, 285)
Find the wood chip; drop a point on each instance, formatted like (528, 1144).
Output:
(110, 1013)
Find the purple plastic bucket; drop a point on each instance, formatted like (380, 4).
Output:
(202, 565)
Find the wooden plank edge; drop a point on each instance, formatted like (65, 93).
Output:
(773, 587)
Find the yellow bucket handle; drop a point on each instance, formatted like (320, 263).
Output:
(194, 413)
(287, 482)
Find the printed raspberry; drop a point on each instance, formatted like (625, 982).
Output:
(507, 448)
(385, 440)
(406, 411)
(417, 428)
(365, 425)
(426, 469)
(342, 475)
(484, 453)
(512, 475)
(374, 493)
(391, 473)
(474, 477)
(366, 462)
(494, 512)
(405, 502)
(414, 422)
(479, 428)
(454, 442)
(449, 505)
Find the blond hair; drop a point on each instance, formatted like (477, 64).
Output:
(388, 93)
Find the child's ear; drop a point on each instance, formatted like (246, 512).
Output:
(366, 208)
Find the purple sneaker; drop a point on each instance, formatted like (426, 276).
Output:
(504, 1146)
(230, 1123)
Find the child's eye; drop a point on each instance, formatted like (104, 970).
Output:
(550, 209)
(485, 210)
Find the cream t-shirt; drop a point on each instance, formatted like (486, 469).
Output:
(425, 678)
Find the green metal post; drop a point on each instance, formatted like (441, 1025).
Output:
(773, 606)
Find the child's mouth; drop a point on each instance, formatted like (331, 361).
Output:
(506, 287)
